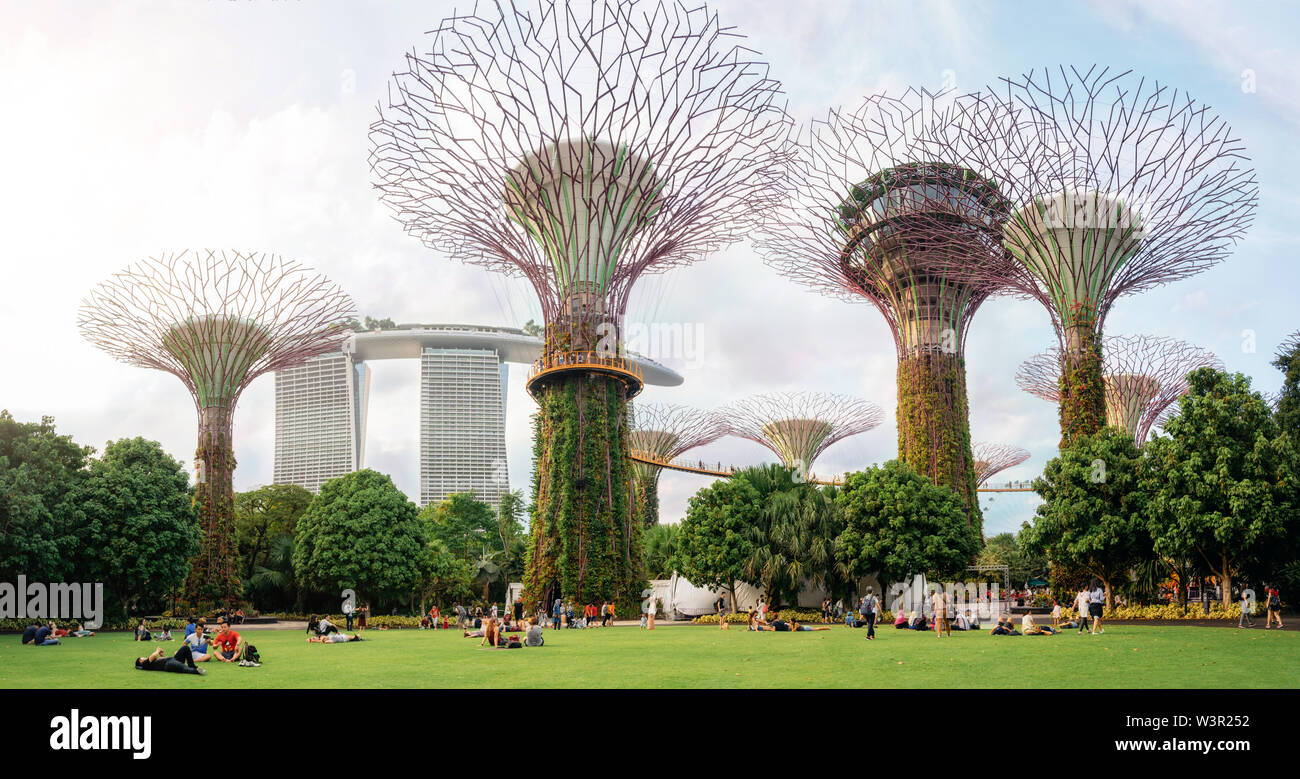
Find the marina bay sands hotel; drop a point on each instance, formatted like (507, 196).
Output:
(320, 407)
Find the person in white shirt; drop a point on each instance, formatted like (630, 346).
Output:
(650, 613)
(1056, 615)
(198, 644)
(1082, 603)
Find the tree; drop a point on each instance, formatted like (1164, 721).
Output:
(1288, 400)
(379, 324)
(272, 582)
(510, 529)
(140, 527)
(794, 540)
(445, 577)
(532, 328)
(1222, 482)
(264, 514)
(361, 533)
(39, 517)
(713, 542)
(462, 523)
(661, 543)
(899, 523)
(1092, 515)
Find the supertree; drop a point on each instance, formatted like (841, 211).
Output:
(799, 426)
(992, 459)
(216, 320)
(873, 217)
(1143, 377)
(581, 145)
(1286, 401)
(664, 432)
(1120, 184)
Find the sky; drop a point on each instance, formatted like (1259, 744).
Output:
(132, 128)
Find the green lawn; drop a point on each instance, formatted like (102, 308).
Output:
(698, 656)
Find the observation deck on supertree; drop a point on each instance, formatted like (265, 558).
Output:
(798, 426)
(1143, 377)
(664, 432)
(216, 320)
(581, 145)
(1120, 184)
(907, 223)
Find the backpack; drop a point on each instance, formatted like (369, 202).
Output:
(250, 654)
(1274, 602)
(513, 643)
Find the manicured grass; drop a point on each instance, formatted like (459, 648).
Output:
(697, 657)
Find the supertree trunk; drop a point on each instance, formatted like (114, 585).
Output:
(213, 577)
(585, 540)
(647, 496)
(1083, 390)
(934, 424)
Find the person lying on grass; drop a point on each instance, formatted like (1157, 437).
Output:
(1028, 627)
(1005, 627)
(181, 663)
(795, 626)
(333, 638)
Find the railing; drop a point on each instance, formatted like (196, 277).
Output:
(699, 466)
(725, 471)
(621, 367)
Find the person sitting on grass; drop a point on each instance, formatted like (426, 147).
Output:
(166, 635)
(333, 638)
(228, 643)
(534, 635)
(325, 627)
(181, 662)
(900, 621)
(917, 621)
(39, 635)
(142, 631)
(1005, 627)
(198, 644)
(962, 621)
(1028, 627)
(491, 633)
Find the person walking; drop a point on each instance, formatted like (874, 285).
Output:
(1096, 603)
(870, 610)
(1274, 608)
(651, 608)
(1083, 604)
(1244, 620)
(722, 612)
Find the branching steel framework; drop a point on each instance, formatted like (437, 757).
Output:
(216, 320)
(1120, 184)
(872, 216)
(581, 145)
(1143, 377)
(664, 432)
(799, 426)
(992, 459)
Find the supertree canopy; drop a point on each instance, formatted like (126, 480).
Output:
(992, 459)
(581, 145)
(873, 217)
(664, 432)
(1120, 184)
(799, 426)
(1143, 376)
(216, 320)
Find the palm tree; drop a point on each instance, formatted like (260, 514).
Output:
(660, 543)
(487, 570)
(276, 576)
(794, 538)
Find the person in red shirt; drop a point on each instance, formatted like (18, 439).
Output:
(228, 644)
